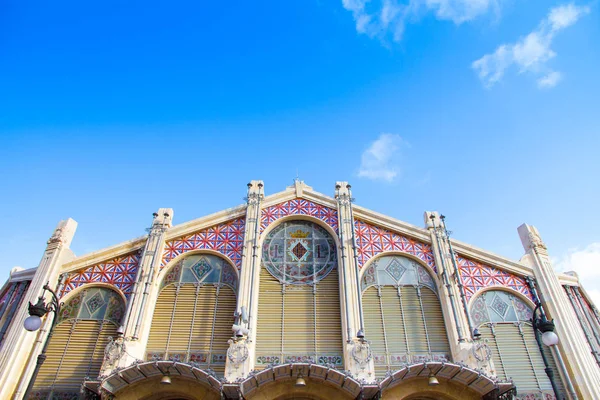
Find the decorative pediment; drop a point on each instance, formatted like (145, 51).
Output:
(298, 206)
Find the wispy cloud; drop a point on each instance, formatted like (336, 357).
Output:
(585, 263)
(387, 18)
(380, 161)
(530, 53)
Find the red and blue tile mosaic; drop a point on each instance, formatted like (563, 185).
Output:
(372, 240)
(119, 272)
(226, 238)
(476, 276)
(299, 207)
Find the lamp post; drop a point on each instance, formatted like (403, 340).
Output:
(34, 322)
(548, 337)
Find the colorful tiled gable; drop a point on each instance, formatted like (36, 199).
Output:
(119, 272)
(476, 276)
(226, 238)
(372, 240)
(299, 207)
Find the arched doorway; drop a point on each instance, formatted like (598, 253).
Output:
(87, 321)
(299, 302)
(402, 313)
(194, 313)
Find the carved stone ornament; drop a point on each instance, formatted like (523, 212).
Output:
(482, 352)
(361, 353)
(113, 351)
(536, 241)
(57, 236)
(237, 352)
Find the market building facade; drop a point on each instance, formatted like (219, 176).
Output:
(296, 295)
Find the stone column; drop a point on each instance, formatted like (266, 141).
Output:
(357, 352)
(575, 351)
(18, 343)
(141, 303)
(241, 352)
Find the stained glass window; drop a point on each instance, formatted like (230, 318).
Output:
(499, 306)
(205, 268)
(397, 271)
(299, 252)
(95, 303)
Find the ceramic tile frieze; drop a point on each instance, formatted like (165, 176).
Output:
(372, 240)
(119, 272)
(298, 207)
(226, 238)
(476, 276)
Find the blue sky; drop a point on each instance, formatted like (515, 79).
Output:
(486, 110)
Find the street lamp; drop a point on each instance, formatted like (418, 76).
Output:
(34, 322)
(548, 337)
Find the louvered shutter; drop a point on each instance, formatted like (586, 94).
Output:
(193, 324)
(301, 321)
(328, 327)
(374, 329)
(75, 351)
(269, 330)
(516, 356)
(415, 324)
(434, 319)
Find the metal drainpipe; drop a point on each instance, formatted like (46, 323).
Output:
(254, 250)
(555, 351)
(341, 229)
(149, 279)
(357, 272)
(461, 288)
(461, 338)
(13, 308)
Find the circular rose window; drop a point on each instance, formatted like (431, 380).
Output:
(299, 252)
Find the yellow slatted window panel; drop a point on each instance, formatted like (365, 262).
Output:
(226, 303)
(536, 357)
(514, 357)
(269, 330)
(202, 331)
(328, 320)
(395, 321)
(415, 325)
(488, 337)
(299, 325)
(76, 351)
(182, 322)
(54, 354)
(434, 319)
(161, 322)
(374, 329)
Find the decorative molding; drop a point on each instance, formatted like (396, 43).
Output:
(298, 207)
(226, 238)
(372, 240)
(119, 272)
(476, 276)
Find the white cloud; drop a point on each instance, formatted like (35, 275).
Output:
(549, 80)
(530, 53)
(384, 18)
(380, 160)
(586, 263)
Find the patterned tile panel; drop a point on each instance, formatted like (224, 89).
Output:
(226, 238)
(476, 276)
(372, 240)
(119, 272)
(299, 207)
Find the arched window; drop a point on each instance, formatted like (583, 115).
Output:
(504, 322)
(194, 313)
(402, 314)
(76, 349)
(299, 302)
